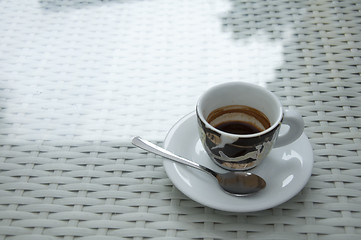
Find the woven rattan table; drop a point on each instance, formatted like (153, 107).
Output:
(79, 78)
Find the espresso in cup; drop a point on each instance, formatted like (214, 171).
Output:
(239, 124)
(238, 119)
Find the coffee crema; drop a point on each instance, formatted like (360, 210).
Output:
(238, 119)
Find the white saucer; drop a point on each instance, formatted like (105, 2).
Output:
(286, 171)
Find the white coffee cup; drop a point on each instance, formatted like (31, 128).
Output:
(242, 151)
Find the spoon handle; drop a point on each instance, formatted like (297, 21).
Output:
(150, 147)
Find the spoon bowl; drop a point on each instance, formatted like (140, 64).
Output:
(234, 183)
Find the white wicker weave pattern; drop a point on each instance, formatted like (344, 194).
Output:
(79, 78)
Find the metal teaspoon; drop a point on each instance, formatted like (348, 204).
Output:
(234, 183)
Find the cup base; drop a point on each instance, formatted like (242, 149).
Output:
(237, 166)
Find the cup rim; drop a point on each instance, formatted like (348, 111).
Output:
(271, 128)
